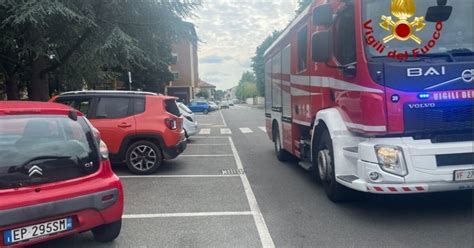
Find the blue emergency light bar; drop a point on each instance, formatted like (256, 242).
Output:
(424, 96)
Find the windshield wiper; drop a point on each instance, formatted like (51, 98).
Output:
(46, 158)
(461, 51)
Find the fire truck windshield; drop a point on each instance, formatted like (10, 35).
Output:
(402, 29)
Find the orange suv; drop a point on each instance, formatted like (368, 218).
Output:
(139, 128)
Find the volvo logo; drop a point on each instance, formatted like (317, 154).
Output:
(467, 75)
(421, 105)
(35, 170)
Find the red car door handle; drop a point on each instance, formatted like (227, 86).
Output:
(124, 125)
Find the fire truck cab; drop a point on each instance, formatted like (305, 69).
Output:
(376, 95)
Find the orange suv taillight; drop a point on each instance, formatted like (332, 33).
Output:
(171, 123)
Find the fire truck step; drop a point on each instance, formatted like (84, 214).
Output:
(351, 152)
(306, 165)
(348, 178)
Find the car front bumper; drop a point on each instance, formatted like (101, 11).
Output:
(425, 174)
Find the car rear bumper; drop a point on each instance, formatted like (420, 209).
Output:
(39, 211)
(87, 211)
(172, 152)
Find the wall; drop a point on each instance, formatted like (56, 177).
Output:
(255, 101)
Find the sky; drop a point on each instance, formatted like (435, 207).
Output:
(231, 30)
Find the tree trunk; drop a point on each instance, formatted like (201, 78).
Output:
(39, 86)
(12, 89)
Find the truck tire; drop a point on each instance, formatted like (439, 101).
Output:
(282, 155)
(205, 112)
(325, 170)
(107, 232)
(143, 158)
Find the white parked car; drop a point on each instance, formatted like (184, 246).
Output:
(224, 105)
(190, 126)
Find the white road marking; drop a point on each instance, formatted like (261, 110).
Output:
(263, 129)
(211, 125)
(205, 131)
(223, 120)
(176, 176)
(216, 144)
(225, 131)
(246, 130)
(207, 155)
(208, 137)
(265, 238)
(202, 214)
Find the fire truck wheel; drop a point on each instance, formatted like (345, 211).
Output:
(282, 155)
(335, 191)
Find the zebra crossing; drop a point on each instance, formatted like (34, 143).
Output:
(229, 131)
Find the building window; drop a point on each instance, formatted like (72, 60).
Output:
(175, 76)
(174, 59)
(302, 49)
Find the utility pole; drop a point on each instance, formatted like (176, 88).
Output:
(130, 81)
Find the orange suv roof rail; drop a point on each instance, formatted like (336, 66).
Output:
(109, 92)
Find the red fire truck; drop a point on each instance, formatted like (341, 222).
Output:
(376, 95)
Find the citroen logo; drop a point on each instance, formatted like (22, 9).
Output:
(35, 170)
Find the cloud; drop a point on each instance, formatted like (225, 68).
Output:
(231, 30)
(214, 59)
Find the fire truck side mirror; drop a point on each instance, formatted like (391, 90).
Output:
(440, 13)
(322, 15)
(321, 46)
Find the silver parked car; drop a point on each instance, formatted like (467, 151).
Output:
(190, 126)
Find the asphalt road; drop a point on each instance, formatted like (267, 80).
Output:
(229, 190)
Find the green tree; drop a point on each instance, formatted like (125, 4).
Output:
(258, 62)
(74, 42)
(302, 5)
(247, 86)
(203, 93)
(219, 95)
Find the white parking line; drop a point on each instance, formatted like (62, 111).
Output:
(216, 144)
(207, 155)
(265, 238)
(176, 176)
(226, 131)
(205, 131)
(212, 125)
(246, 130)
(223, 120)
(263, 129)
(209, 137)
(202, 214)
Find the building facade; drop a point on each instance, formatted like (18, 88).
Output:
(185, 68)
(204, 86)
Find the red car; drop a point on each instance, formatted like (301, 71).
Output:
(139, 128)
(55, 176)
